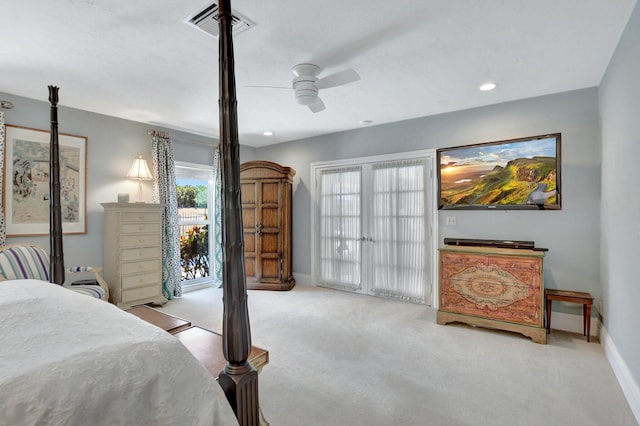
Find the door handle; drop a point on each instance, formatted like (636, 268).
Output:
(258, 229)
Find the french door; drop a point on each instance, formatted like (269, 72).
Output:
(196, 212)
(372, 227)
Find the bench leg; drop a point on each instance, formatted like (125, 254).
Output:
(588, 319)
(549, 302)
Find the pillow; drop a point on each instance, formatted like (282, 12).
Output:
(23, 262)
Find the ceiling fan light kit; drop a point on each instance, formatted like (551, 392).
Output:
(306, 84)
(305, 90)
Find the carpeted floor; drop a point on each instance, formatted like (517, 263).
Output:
(338, 358)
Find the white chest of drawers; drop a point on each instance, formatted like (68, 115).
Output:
(133, 253)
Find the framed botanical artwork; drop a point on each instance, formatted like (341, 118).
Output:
(26, 182)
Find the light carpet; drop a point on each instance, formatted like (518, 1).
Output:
(338, 358)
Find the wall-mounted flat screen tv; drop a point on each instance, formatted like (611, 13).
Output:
(513, 174)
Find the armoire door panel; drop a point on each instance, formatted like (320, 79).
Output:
(249, 242)
(248, 193)
(269, 244)
(271, 192)
(271, 269)
(271, 217)
(248, 217)
(250, 267)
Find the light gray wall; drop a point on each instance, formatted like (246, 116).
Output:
(198, 149)
(571, 234)
(620, 224)
(112, 145)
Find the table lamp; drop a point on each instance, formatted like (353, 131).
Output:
(140, 171)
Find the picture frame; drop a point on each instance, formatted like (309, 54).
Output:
(514, 174)
(26, 182)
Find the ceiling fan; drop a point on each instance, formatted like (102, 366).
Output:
(306, 84)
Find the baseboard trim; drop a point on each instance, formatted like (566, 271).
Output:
(304, 279)
(630, 387)
(572, 323)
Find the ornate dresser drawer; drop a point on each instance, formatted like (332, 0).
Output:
(493, 287)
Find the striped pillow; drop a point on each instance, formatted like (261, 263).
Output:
(89, 290)
(23, 262)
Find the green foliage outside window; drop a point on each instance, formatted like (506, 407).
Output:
(194, 249)
(192, 196)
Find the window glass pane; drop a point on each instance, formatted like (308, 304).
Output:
(340, 227)
(194, 251)
(194, 194)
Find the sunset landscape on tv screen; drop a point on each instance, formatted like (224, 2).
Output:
(511, 174)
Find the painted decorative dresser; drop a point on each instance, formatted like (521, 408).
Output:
(500, 288)
(133, 253)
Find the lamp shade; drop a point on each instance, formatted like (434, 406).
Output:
(139, 170)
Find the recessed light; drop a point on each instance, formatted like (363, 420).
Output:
(487, 86)
(268, 133)
(366, 121)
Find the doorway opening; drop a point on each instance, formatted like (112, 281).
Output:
(196, 212)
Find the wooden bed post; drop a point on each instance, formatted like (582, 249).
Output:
(56, 256)
(239, 379)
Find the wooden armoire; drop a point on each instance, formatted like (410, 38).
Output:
(266, 219)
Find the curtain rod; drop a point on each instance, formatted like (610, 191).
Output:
(158, 133)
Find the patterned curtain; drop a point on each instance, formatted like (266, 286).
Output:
(217, 218)
(164, 192)
(3, 231)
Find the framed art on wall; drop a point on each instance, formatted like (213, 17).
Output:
(26, 182)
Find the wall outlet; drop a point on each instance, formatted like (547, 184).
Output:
(451, 221)
(600, 307)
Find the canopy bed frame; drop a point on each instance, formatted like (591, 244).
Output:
(239, 379)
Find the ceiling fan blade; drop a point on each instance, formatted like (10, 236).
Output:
(317, 106)
(338, 79)
(269, 87)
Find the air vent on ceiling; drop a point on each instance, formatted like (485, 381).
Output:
(207, 20)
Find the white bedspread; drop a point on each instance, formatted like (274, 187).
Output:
(68, 359)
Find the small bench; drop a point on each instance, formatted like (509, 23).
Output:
(583, 298)
(205, 345)
(168, 323)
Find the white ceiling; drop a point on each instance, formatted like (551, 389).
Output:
(139, 60)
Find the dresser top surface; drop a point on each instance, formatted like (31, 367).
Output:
(132, 206)
(493, 251)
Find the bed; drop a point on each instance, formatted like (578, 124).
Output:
(73, 360)
(69, 359)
